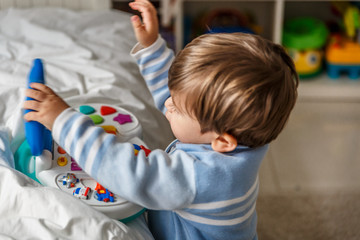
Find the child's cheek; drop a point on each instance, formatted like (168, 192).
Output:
(167, 115)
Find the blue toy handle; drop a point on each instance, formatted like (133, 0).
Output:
(34, 131)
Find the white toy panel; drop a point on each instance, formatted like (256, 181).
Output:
(58, 169)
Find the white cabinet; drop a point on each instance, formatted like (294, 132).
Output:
(267, 14)
(270, 15)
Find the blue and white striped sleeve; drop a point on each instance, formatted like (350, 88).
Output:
(154, 63)
(159, 181)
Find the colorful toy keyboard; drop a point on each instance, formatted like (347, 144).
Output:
(57, 169)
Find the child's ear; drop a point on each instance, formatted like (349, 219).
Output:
(224, 143)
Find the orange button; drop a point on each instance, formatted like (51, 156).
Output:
(60, 150)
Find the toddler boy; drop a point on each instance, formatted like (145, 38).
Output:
(226, 97)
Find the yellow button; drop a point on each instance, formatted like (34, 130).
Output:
(62, 161)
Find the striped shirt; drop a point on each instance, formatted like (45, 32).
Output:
(192, 191)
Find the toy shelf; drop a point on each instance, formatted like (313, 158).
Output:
(265, 13)
(270, 16)
(322, 88)
(261, 11)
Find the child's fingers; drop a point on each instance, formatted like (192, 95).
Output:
(136, 22)
(35, 94)
(147, 30)
(148, 13)
(32, 105)
(32, 116)
(42, 87)
(136, 4)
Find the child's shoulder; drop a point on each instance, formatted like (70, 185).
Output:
(205, 152)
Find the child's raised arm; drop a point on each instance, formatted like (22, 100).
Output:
(146, 31)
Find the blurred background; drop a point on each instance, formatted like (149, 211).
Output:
(310, 180)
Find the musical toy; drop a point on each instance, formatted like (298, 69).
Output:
(42, 159)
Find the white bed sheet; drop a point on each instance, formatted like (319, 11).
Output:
(87, 60)
(31, 211)
(86, 57)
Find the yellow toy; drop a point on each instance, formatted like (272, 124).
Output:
(343, 52)
(343, 55)
(304, 39)
(307, 63)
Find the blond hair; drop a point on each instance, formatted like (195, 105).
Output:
(237, 83)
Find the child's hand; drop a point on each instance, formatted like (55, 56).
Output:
(148, 31)
(47, 106)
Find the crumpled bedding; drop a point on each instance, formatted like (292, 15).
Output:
(86, 58)
(29, 210)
